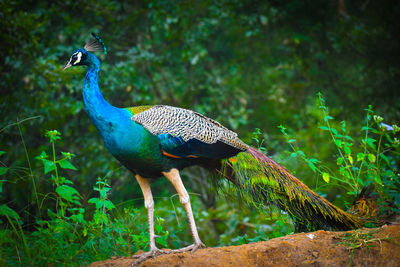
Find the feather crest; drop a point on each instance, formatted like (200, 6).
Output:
(95, 45)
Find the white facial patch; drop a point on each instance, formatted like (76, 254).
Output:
(79, 55)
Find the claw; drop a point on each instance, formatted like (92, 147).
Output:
(198, 246)
(192, 248)
(156, 252)
(144, 256)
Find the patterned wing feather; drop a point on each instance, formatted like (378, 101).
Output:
(187, 125)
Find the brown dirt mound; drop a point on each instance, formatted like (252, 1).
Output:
(319, 248)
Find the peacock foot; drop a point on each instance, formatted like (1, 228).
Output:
(192, 248)
(150, 254)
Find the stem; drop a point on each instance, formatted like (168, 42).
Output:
(57, 179)
(21, 234)
(30, 168)
(378, 155)
(54, 161)
(351, 257)
(18, 122)
(365, 144)
(341, 154)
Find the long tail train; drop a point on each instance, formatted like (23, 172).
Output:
(264, 182)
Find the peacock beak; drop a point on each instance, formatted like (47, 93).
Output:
(67, 65)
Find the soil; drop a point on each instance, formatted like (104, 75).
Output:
(319, 248)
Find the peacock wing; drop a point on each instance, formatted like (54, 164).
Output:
(185, 133)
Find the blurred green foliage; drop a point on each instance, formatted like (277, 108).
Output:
(247, 64)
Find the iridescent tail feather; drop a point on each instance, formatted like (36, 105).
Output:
(263, 182)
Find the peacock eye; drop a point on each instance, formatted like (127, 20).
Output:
(76, 58)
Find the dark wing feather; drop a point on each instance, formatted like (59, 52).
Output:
(185, 133)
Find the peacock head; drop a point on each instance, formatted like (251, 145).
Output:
(79, 56)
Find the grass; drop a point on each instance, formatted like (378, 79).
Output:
(359, 239)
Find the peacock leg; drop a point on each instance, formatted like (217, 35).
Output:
(174, 177)
(149, 204)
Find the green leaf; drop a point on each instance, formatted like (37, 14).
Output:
(387, 173)
(323, 128)
(3, 170)
(338, 143)
(339, 161)
(65, 164)
(341, 170)
(100, 217)
(97, 201)
(67, 192)
(348, 138)
(347, 150)
(327, 117)
(301, 153)
(351, 159)
(93, 200)
(326, 177)
(314, 161)
(42, 155)
(293, 155)
(378, 179)
(370, 142)
(53, 135)
(103, 193)
(7, 211)
(360, 156)
(68, 155)
(383, 156)
(66, 181)
(109, 205)
(78, 218)
(1, 185)
(371, 158)
(292, 140)
(2, 152)
(365, 128)
(312, 166)
(48, 166)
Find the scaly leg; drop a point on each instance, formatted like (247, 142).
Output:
(149, 204)
(174, 177)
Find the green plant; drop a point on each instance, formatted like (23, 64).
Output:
(102, 203)
(12, 217)
(67, 196)
(360, 239)
(369, 159)
(259, 140)
(71, 232)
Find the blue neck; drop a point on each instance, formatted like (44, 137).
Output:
(98, 109)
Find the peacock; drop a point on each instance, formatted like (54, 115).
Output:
(159, 140)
